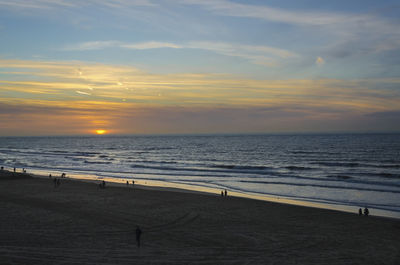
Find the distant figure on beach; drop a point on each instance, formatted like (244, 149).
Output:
(133, 182)
(366, 211)
(63, 175)
(102, 185)
(222, 193)
(360, 212)
(49, 176)
(14, 169)
(226, 193)
(2, 168)
(138, 234)
(127, 183)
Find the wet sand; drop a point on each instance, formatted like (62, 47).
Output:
(79, 223)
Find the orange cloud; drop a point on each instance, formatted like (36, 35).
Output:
(78, 97)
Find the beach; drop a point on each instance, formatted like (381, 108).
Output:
(80, 223)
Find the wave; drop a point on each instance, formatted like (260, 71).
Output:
(320, 186)
(97, 162)
(299, 168)
(390, 161)
(333, 201)
(355, 164)
(339, 176)
(210, 167)
(314, 153)
(240, 167)
(75, 158)
(336, 164)
(389, 166)
(376, 175)
(389, 175)
(49, 152)
(206, 169)
(158, 148)
(154, 161)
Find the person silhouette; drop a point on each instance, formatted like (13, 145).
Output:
(360, 212)
(226, 193)
(366, 211)
(138, 235)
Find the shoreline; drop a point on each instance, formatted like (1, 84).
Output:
(180, 187)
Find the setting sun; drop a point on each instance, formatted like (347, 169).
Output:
(101, 131)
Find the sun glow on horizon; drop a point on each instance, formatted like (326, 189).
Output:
(100, 132)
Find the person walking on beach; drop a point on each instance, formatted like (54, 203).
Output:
(366, 211)
(226, 193)
(360, 212)
(138, 235)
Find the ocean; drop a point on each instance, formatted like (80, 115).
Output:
(339, 171)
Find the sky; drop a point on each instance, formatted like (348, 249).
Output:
(199, 66)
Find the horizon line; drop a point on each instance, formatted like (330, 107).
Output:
(205, 134)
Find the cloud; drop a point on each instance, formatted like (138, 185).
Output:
(349, 33)
(83, 93)
(150, 45)
(111, 83)
(35, 117)
(100, 45)
(53, 4)
(265, 12)
(41, 94)
(220, 7)
(258, 54)
(36, 4)
(92, 45)
(386, 115)
(340, 34)
(79, 118)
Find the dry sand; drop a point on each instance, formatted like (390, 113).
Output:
(78, 223)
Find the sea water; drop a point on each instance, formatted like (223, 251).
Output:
(343, 170)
